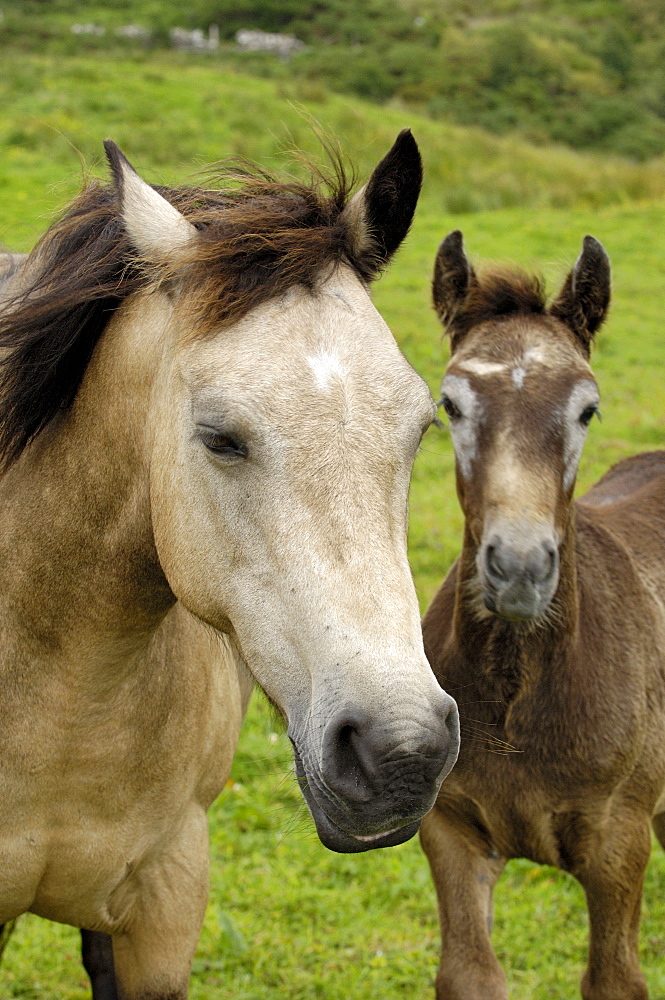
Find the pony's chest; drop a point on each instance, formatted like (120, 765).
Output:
(69, 873)
(75, 836)
(91, 786)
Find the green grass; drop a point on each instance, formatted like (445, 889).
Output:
(585, 74)
(172, 114)
(287, 919)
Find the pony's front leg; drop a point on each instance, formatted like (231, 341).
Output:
(464, 874)
(6, 931)
(153, 954)
(97, 956)
(612, 879)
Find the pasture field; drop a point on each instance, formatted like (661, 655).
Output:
(172, 114)
(287, 919)
(584, 74)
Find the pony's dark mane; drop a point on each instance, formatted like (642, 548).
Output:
(258, 238)
(494, 293)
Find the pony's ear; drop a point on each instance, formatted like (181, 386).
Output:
(583, 301)
(156, 229)
(380, 214)
(453, 276)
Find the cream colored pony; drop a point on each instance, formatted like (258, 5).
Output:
(208, 435)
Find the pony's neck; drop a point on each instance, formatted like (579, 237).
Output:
(77, 505)
(516, 652)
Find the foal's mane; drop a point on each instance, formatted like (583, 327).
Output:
(497, 292)
(258, 237)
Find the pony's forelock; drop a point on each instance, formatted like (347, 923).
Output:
(257, 237)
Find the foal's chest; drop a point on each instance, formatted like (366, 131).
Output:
(519, 813)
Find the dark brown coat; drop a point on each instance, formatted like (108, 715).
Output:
(576, 689)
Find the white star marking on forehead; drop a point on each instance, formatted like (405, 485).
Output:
(326, 367)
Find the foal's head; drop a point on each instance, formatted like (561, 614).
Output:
(519, 394)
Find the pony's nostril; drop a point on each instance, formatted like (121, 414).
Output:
(350, 768)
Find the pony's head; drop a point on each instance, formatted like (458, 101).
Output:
(281, 431)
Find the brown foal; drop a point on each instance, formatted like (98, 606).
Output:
(549, 630)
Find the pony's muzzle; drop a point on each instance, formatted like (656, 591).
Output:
(379, 773)
(366, 760)
(520, 575)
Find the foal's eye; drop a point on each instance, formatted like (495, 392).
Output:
(453, 412)
(587, 414)
(222, 444)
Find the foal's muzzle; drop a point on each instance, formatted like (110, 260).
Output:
(519, 572)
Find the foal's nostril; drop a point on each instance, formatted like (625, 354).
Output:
(493, 563)
(542, 563)
(551, 561)
(506, 562)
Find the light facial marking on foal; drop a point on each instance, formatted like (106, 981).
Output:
(536, 354)
(583, 395)
(326, 368)
(476, 366)
(518, 374)
(513, 486)
(464, 430)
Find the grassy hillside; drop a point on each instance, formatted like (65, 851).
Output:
(172, 114)
(588, 73)
(288, 920)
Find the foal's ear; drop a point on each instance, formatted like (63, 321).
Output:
(583, 301)
(380, 214)
(156, 229)
(453, 276)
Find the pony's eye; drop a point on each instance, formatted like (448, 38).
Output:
(587, 414)
(222, 444)
(453, 412)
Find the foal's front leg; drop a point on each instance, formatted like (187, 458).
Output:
(612, 878)
(464, 873)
